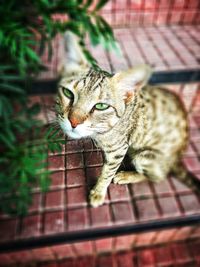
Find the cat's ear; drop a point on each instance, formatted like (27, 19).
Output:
(73, 59)
(127, 82)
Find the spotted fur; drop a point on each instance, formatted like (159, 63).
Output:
(149, 123)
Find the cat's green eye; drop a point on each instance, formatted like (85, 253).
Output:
(68, 93)
(101, 106)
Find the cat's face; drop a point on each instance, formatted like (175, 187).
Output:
(93, 102)
(87, 105)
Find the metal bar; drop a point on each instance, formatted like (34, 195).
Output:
(183, 76)
(91, 234)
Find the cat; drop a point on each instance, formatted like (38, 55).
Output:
(124, 115)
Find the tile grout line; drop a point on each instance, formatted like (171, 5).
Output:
(176, 195)
(183, 43)
(93, 244)
(157, 49)
(156, 199)
(134, 38)
(156, 14)
(86, 184)
(191, 35)
(195, 18)
(172, 47)
(169, 14)
(125, 55)
(142, 15)
(133, 202)
(185, 7)
(65, 188)
(195, 98)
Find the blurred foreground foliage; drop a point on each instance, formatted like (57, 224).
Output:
(27, 27)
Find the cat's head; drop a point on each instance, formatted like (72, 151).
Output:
(94, 101)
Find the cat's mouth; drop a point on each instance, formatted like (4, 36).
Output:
(76, 133)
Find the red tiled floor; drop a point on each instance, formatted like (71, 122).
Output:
(165, 236)
(184, 232)
(180, 252)
(56, 163)
(144, 239)
(164, 47)
(31, 226)
(75, 178)
(43, 254)
(194, 249)
(54, 222)
(77, 219)
(58, 180)
(163, 255)
(169, 206)
(147, 258)
(8, 229)
(74, 161)
(104, 245)
(124, 259)
(65, 208)
(74, 146)
(63, 251)
(124, 243)
(83, 248)
(36, 202)
(190, 204)
(147, 209)
(104, 261)
(93, 159)
(76, 196)
(122, 212)
(118, 192)
(141, 189)
(101, 216)
(54, 199)
(163, 188)
(180, 187)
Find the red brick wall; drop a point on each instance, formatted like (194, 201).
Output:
(151, 12)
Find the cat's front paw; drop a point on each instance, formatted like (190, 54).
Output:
(121, 178)
(96, 198)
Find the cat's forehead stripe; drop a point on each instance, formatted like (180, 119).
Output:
(92, 80)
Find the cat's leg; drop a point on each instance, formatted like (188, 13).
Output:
(128, 177)
(113, 161)
(153, 164)
(149, 165)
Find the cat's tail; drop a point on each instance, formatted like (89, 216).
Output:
(186, 177)
(73, 59)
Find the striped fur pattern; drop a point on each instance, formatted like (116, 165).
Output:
(149, 123)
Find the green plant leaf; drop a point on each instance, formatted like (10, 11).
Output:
(34, 109)
(6, 141)
(88, 3)
(28, 29)
(11, 88)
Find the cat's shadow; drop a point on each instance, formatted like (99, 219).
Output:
(126, 164)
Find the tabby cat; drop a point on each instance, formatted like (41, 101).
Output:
(123, 115)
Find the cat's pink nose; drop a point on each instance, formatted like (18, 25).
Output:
(74, 122)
